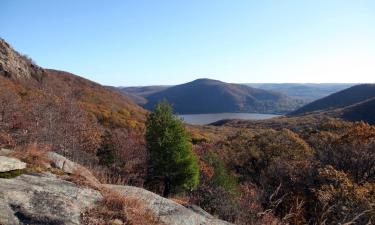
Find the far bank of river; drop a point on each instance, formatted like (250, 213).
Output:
(201, 119)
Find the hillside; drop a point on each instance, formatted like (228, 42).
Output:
(344, 98)
(213, 96)
(67, 113)
(364, 111)
(144, 91)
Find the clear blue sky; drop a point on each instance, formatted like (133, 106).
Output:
(143, 42)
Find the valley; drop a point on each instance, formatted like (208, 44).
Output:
(76, 135)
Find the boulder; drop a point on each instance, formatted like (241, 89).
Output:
(9, 164)
(168, 211)
(5, 151)
(70, 167)
(43, 199)
(60, 162)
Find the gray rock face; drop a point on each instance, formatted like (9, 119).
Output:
(13, 64)
(62, 163)
(41, 199)
(70, 167)
(168, 211)
(45, 199)
(9, 164)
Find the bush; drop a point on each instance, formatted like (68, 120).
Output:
(341, 201)
(11, 174)
(221, 177)
(353, 152)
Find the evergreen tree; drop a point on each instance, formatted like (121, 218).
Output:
(106, 151)
(171, 160)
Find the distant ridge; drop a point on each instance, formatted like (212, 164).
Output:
(364, 111)
(214, 96)
(344, 98)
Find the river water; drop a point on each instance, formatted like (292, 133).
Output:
(202, 119)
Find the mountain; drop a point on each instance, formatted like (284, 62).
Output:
(139, 94)
(213, 96)
(306, 91)
(144, 91)
(344, 98)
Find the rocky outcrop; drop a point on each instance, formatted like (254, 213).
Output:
(168, 211)
(70, 167)
(15, 65)
(43, 199)
(9, 164)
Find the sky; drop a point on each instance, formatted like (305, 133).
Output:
(149, 42)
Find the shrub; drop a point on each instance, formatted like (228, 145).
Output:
(216, 200)
(11, 174)
(221, 177)
(353, 152)
(341, 201)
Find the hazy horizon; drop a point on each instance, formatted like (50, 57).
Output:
(140, 43)
(247, 83)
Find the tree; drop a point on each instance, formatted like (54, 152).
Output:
(106, 150)
(171, 160)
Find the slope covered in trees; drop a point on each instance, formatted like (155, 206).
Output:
(67, 113)
(213, 96)
(344, 98)
(364, 111)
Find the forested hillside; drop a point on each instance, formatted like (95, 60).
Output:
(344, 98)
(213, 96)
(69, 114)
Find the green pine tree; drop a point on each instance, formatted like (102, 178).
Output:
(171, 159)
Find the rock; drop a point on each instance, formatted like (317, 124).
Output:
(116, 222)
(41, 199)
(9, 164)
(198, 210)
(60, 162)
(168, 211)
(13, 64)
(5, 151)
(70, 167)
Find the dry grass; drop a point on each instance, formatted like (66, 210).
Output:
(118, 207)
(182, 200)
(34, 155)
(83, 177)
